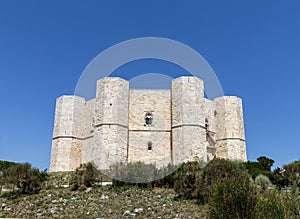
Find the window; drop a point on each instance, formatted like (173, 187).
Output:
(206, 129)
(149, 146)
(206, 124)
(148, 119)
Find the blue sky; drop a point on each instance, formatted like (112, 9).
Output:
(253, 47)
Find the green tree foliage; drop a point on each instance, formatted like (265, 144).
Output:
(5, 165)
(265, 163)
(292, 173)
(24, 177)
(262, 166)
(280, 181)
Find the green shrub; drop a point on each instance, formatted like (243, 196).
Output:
(255, 169)
(138, 173)
(269, 206)
(278, 204)
(233, 198)
(6, 164)
(143, 175)
(291, 202)
(263, 182)
(185, 179)
(25, 178)
(227, 189)
(167, 176)
(292, 173)
(85, 176)
(218, 171)
(279, 181)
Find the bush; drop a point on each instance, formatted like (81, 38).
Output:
(6, 164)
(167, 176)
(143, 175)
(263, 181)
(292, 173)
(226, 187)
(138, 173)
(26, 179)
(185, 179)
(218, 171)
(233, 198)
(268, 206)
(279, 181)
(85, 176)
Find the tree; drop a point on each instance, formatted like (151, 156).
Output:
(262, 166)
(265, 163)
(5, 165)
(24, 177)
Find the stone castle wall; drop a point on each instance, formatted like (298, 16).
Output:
(111, 128)
(188, 119)
(156, 136)
(111, 122)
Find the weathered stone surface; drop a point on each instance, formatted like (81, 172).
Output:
(230, 135)
(111, 122)
(67, 135)
(112, 127)
(66, 154)
(188, 120)
(150, 143)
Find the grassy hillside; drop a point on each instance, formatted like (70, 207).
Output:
(219, 189)
(102, 202)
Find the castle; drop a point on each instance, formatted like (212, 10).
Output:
(152, 126)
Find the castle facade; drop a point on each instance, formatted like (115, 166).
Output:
(152, 126)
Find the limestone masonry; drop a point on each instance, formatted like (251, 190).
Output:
(152, 126)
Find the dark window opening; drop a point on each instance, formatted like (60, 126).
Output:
(206, 129)
(206, 124)
(149, 146)
(148, 119)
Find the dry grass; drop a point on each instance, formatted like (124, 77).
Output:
(101, 202)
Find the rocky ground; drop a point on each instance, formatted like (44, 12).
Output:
(101, 202)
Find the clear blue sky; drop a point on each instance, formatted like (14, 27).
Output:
(253, 47)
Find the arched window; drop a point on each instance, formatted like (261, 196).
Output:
(149, 146)
(148, 119)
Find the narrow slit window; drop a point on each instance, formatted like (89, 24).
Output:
(149, 146)
(206, 124)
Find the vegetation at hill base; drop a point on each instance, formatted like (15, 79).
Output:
(23, 178)
(218, 189)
